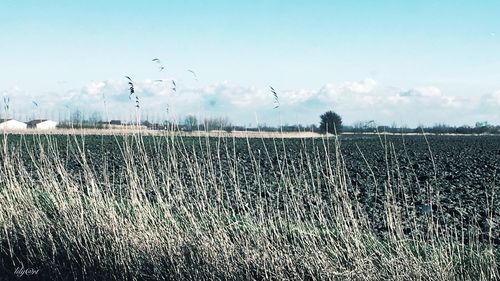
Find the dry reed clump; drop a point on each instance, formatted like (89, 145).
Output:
(182, 214)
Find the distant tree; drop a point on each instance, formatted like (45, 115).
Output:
(358, 127)
(95, 118)
(331, 122)
(217, 123)
(312, 128)
(77, 118)
(191, 122)
(482, 124)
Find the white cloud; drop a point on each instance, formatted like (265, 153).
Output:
(489, 107)
(297, 96)
(493, 98)
(360, 100)
(429, 96)
(94, 88)
(360, 87)
(422, 92)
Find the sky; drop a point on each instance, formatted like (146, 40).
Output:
(396, 62)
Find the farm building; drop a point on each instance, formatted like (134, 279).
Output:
(113, 124)
(11, 124)
(42, 124)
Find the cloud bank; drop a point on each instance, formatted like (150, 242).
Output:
(366, 99)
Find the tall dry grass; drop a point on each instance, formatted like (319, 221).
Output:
(170, 212)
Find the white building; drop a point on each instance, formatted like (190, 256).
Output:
(11, 124)
(42, 124)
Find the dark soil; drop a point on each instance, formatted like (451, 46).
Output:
(452, 181)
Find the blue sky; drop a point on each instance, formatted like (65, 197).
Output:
(418, 62)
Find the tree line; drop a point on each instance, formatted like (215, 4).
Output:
(329, 122)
